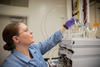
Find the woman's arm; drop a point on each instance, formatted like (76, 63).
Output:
(49, 43)
(62, 29)
(56, 37)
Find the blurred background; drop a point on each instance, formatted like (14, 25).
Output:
(44, 17)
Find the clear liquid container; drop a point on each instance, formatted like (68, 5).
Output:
(76, 30)
(94, 29)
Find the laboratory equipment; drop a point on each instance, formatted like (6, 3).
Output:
(77, 52)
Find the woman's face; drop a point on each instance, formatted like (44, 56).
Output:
(25, 35)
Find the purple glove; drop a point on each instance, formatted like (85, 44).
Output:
(69, 23)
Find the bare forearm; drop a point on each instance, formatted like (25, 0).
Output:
(62, 29)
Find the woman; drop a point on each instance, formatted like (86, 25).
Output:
(24, 53)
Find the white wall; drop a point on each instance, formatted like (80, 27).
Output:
(44, 18)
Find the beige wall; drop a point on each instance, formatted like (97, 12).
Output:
(3, 53)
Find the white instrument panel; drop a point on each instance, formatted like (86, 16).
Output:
(86, 52)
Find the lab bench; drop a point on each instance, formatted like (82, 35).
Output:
(77, 52)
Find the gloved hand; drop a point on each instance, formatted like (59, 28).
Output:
(69, 23)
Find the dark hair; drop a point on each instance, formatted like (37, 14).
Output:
(9, 31)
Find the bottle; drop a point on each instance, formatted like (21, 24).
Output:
(76, 30)
(88, 32)
(94, 29)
